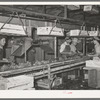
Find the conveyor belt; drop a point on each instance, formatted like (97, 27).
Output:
(60, 69)
(38, 68)
(29, 69)
(43, 69)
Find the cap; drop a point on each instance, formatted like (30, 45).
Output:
(67, 38)
(75, 40)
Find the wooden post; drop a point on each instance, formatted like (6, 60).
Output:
(55, 48)
(65, 12)
(25, 52)
(49, 76)
(84, 46)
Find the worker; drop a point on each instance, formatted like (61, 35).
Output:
(73, 46)
(2, 43)
(65, 48)
(69, 49)
(96, 42)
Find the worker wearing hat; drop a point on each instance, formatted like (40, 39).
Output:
(68, 48)
(65, 47)
(76, 46)
(2, 43)
(64, 44)
(73, 45)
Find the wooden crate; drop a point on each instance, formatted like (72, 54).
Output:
(3, 85)
(93, 76)
(21, 82)
(43, 83)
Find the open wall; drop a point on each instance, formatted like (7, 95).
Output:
(34, 24)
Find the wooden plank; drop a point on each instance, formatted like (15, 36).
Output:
(19, 80)
(59, 68)
(18, 71)
(59, 71)
(30, 89)
(89, 68)
(22, 87)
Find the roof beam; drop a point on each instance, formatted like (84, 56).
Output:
(27, 12)
(38, 19)
(50, 17)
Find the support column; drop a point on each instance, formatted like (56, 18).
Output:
(55, 48)
(84, 46)
(65, 12)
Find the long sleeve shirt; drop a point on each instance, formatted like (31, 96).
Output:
(63, 46)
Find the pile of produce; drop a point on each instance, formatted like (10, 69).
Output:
(13, 66)
(37, 63)
(4, 68)
(22, 65)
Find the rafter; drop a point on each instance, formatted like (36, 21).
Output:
(35, 15)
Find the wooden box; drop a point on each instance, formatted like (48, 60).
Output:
(93, 33)
(91, 9)
(44, 83)
(21, 82)
(75, 32)
(50, 31)
(93, 76)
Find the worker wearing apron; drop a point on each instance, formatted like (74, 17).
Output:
(73, 45)
(65, 48)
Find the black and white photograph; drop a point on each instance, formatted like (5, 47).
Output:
(50, 47)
